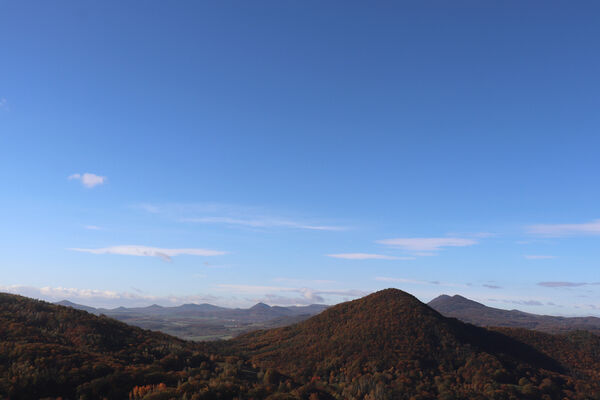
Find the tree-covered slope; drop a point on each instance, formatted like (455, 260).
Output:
(392, 344)
(51, 351)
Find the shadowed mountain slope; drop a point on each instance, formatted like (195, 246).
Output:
(50, 351)
(478, 314)
(394, 340)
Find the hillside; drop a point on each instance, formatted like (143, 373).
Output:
(478, 314)
(391, 343)
(387, 345)
(205, 321)
(50, 351)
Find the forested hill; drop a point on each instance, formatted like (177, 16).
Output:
(390, 342)
(51, 351)
(385, 346)
(476, 313)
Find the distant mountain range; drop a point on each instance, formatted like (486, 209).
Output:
(210, 322)
(478, 314)
(205, 321)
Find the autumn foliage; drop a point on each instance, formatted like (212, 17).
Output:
(385, 346)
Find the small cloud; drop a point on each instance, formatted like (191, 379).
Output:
(484, 235)
(88, 180)
(492, 286)
(538, 257)
(150, 208)
(556, 230)
(555, 284)
(210, 265)
(520, 302)
(3, 103)
(427, 244)
(367, 256)
(92, 227)
(528, 303)
(145, 251)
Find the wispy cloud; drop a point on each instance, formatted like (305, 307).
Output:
(556, 230)
(264, 222)
(92, 227)
(236, 216)
(149, 208)
(492, 286)
(276, 294)
(416, 281)
(88, 180)
(367, 256)
(145, 251)
(105, 298)
(556, 284)
(538, 257)
(427, 244)
(3, 103)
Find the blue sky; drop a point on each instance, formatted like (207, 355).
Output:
(301, 152)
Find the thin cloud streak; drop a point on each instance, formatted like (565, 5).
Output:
(367, 256)
(234, 215)
(263, 223)
(427, 244)
(557, 230)
(557, 284)
(538, 257)
(145, 251)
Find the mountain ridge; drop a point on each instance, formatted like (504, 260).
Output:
(205, 321)
(470, 311)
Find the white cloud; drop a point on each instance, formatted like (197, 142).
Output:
(367, 256)
(427, 244)
(538, 257)
(3, 103)
(92, 227)
(145, 251)
(88, 180)
(587, 228)
(264, 222)
(275, 294)
(105, 298)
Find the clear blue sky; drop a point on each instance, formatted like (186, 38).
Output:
(301, 151)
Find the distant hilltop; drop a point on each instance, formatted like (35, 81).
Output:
(476, 313)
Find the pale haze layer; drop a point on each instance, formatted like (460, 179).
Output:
(300, 152)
